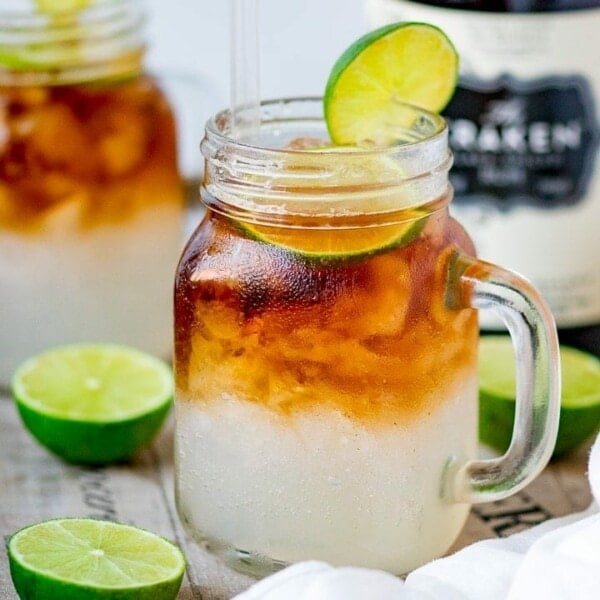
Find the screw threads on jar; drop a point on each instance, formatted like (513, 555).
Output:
(99, 40)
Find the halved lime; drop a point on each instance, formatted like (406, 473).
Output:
(580, 399)
(93, 403)
(84, 559)
(408, 62)
(338, 243)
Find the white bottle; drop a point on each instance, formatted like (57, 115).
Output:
(524, 130)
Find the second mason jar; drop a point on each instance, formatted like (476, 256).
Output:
(91, 207)
(325, 351)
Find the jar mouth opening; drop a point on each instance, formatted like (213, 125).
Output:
(425, 127)
(267, 175)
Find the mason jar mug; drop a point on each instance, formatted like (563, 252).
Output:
(326, 341)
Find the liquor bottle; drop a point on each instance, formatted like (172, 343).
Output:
(524, 131)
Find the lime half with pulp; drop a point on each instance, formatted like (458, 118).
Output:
(413, 63)
(580, 399)
(85, 559)
(93, 403)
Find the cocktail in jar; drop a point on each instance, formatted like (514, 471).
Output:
(325, 350)
(90, 197)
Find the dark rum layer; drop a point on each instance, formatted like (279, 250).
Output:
(369, 336)
(108, 148)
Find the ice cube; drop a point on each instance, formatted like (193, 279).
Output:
(57, 138)
(307, 143)
(123, 142)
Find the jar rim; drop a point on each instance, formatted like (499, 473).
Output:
(219, 129)
(261, 180)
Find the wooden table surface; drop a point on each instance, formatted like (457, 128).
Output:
(35, 486)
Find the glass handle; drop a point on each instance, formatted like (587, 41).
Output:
(531, 326)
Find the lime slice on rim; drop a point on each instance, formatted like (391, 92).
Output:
(337, 243)
(49, 55)
(580, 399)
(81, 559)
(93, 403)
(414, 63)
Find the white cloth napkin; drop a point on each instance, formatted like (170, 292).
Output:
(557, 560)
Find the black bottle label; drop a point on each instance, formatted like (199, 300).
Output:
(523, 142)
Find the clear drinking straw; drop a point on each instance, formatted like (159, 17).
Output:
(245, 94)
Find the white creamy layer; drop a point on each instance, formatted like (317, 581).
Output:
(108, 283)
(322, 486)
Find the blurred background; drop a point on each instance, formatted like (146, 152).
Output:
(300, 42)
(189, 44)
